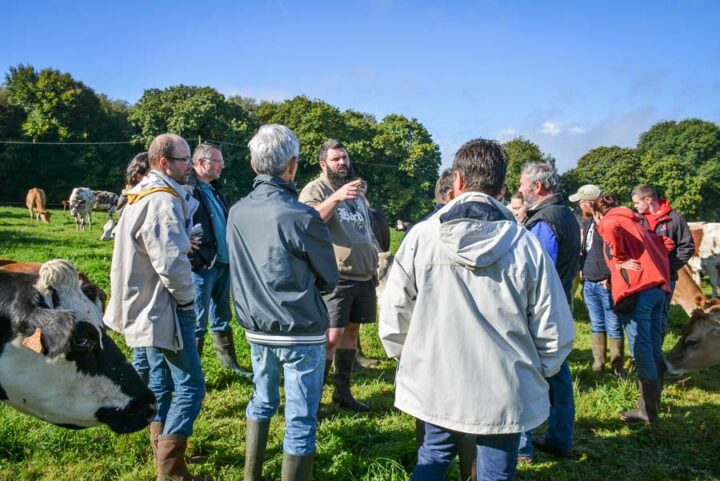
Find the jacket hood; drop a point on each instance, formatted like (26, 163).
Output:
(477, 229)
(662, 215)
(623, 212)
(274, 181)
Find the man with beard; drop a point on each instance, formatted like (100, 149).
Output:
(339, 197)
(558, 231)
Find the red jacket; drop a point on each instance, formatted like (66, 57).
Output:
(628, 239)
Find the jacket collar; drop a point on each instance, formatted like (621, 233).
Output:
(276, 182)
(554, 199)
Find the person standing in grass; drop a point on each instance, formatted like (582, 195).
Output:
(640, 278)
(211, 273)
(153, 294)
(478, 318)
(604, 322)
(282, 260)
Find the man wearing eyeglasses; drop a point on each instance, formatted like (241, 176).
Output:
(153, 295)
(209, 257)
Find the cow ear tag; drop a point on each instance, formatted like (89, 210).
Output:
(33, 342)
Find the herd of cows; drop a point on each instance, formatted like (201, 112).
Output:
(58, 364)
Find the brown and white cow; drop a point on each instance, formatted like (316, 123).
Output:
(707, 253)
(699, 345)
(105, 201)
(56, 361)
(82, 201)
(35, 201)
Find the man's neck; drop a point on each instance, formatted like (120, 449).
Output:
(654, 207)
(541, 199)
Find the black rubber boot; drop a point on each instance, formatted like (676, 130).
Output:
(467, 457)
(344, 360)
(617, 356)
(646, 410)
(297, 468)
(256, 438)
(328, 366)
(200, 343)
(225, 350)
(599, 342)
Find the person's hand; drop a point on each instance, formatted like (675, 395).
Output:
(605, 284)
(351, 190)
(195, 243)
(630, 265)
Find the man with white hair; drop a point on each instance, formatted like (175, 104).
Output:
(558, 231)
(153, 294)
(278, 275)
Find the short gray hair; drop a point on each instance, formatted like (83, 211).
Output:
(272, 148)
(204, 151)
(543, 173)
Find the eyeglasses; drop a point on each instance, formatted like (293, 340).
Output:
(179, 159)
(221, 162)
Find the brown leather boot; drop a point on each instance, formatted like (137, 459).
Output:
(344, 360)
(171, 459)
(598, 351)
(617, 356)
(156, 429)
(646, 410)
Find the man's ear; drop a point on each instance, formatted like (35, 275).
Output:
(458, 184)
(292, 167)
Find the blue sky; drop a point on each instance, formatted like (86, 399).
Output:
(569, 76)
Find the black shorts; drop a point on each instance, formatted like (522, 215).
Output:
(352, 301)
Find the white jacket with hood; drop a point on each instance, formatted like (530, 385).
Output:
(150, 272)
(476, 313)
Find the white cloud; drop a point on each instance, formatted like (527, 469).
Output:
(578, 130)
(550, 128)
(507, 134)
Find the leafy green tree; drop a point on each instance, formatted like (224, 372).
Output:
(520, 151)
(200, 113)
(615, 170)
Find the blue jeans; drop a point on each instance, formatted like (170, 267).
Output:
(180, 372)
(496, 454)
(140, 361)
(561, 421)
(303, 368)
(643, 327)
(212, 299)
(602, 318)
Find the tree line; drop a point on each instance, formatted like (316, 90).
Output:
(62, 117)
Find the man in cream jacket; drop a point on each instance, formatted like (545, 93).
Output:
(152, 297)
(476, 314)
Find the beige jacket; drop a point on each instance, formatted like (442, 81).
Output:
(150, 272)
(476, 312)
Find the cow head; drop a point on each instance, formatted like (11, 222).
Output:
(56, 361)
(699, 345)
(44, 216)
(108, 232)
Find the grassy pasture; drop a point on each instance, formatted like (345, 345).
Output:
(375, 446)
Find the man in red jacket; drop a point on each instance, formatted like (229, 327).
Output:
(660, 218)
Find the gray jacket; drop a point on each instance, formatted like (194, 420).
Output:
(282, 260)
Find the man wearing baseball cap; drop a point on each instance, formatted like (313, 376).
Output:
(596, 290)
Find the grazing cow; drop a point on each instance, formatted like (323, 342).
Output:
(105, 201)
(108, 232)
(35, 202)
(707, 253)
(56, 361)
(92, 290)
(699, 345)
(385, 262)
(65, 204)
(688, 294)
(82, 201)
(403, 225)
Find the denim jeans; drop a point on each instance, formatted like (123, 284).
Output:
(303, 367)
(212, 299)
(643, 327)
(496, 454)
(561, 421)
(180, 372)
(140, 361)
(666, 308)
(598, 301)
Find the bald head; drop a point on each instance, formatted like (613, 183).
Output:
(170, 146)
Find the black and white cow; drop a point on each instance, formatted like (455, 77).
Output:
(105, 201)
(56, 361)
(82, 201)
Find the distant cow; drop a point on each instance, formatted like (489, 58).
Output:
(699, 345)
(56, 361)
(707, 253)
(65, 204)
(35, 201)
(403, 225)
(105, 201)
(82, 201)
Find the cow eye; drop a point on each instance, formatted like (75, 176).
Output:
(83, 342)
(691, 343)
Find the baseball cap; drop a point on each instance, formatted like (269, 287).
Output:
(586, 192)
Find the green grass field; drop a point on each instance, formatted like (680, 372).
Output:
(380, 445)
